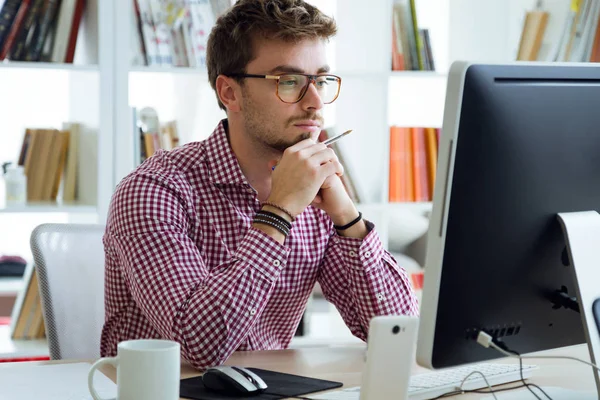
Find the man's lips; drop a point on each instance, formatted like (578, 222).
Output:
(310, 125)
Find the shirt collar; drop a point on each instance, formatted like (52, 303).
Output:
(223, 164)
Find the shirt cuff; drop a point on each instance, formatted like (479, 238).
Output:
(360, 254)
(263, 253)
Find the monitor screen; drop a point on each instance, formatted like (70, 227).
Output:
(519, 144)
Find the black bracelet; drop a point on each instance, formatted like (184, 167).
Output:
(348, 225)
(274, 222)
(275, 225)
(276, 217)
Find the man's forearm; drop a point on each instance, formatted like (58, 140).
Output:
(358, 230)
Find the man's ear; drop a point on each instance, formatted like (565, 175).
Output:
(229, 93)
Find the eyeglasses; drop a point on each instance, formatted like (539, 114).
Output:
(291, 88)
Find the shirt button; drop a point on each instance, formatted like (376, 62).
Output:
(276, 263)
(352, 254)
(252, 311)
(367, 254)
(380, 296)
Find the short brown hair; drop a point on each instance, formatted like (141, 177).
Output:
(229, 48)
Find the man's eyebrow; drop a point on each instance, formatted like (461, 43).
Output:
(296, 70)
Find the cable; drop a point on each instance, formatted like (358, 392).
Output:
(527, 385)
(486, 340)
(484, 378)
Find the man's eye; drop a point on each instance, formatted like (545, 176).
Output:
(289, 82)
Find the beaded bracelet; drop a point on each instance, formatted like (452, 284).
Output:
(281, 228)
(275, 217)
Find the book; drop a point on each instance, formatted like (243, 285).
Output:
(532, 35)
(27, 31)
(15, 28)
(43, 31)
(27, 320)
(8, 12)
(595, 52)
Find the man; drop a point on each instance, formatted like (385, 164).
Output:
(218, 244)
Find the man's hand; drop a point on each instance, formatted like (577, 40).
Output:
(302, 171)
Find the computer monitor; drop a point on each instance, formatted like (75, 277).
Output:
(519, 144)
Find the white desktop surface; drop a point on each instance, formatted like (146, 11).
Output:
(10, 349)
(345, 363)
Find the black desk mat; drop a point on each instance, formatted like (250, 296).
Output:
(277, 382)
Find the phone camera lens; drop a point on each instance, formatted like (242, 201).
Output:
(395, 330)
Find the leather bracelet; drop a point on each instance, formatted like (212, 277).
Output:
(348, 225)
(282, 229)
(268, 203)
(276, 217)
(274, 221)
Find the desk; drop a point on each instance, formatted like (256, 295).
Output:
(14, 349)
(345, 363)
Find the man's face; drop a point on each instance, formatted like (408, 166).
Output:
(269, 121)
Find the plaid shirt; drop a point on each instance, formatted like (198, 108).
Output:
(184, 263)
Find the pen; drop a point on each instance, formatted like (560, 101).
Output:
(336, 138)
(329, 141)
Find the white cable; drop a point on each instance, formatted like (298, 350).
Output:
(486, 341)
(484, 378)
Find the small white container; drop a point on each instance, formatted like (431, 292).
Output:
(15, 185)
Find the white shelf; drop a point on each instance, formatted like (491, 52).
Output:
(417, 74)
(10, 349)
(390, 207)
(168, 70)
(47, 66)
(415, 206)
(49, 208)
(11, 286)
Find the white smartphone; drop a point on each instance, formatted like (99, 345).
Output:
(390, 357)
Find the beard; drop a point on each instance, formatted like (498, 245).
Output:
(262, 127)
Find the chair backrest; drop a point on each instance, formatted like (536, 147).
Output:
(69, 260)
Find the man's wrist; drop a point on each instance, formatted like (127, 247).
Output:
(277, 211)
(345, 217)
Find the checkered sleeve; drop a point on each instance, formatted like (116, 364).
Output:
(363, 281)
(209, 312)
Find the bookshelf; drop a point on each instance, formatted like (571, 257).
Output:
(102, 85)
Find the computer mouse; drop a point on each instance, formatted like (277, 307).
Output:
(233, 381)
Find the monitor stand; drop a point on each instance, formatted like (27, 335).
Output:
(582, 235)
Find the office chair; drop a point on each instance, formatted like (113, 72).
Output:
(69, 260)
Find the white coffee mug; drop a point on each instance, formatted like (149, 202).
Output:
(147, 369)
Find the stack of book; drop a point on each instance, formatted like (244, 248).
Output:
(40, 30)
(56, 162)
(173, 32)
(565, 31)
(150, 135)
(413, 163)
(411, 45)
